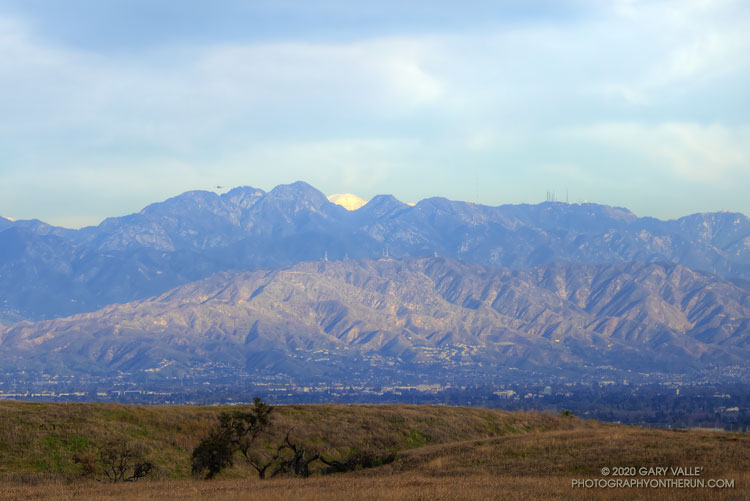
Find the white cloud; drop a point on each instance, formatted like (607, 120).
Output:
(363, 112)
(327, 164)
(636, 52)
(368, 75)
(691, 152)
(672, 45)
(173, 94)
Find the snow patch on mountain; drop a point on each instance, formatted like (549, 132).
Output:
(347, 200)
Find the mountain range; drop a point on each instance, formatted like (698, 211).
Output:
(287, 281)
(322, 317)
(48, 272)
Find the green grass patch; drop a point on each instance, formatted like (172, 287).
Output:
(416, 438)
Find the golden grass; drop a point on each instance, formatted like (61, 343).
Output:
(444, 453)
(408, 486)
(40, 439)
(581, 452)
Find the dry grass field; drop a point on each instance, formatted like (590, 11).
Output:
(440, 453)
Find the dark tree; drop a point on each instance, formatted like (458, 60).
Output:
(118, 461)
(243, 428)
(213, 454)
(295, 459)
(358, 460)
(236, 431)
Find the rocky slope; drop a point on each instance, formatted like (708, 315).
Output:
(435, 312)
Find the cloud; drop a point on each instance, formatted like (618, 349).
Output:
(672, 45)
(173, 82)
(691, 152)
(358, 164)
(644, 79)
(489, 79)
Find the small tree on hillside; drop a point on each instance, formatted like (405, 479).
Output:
(295, 459)
(235, 431)
(213, 454)
(117, 461)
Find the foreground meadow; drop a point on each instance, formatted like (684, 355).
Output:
(434, 452)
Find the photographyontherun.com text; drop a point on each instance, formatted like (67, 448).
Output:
(652, 477)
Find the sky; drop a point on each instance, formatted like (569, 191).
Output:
(107, 106)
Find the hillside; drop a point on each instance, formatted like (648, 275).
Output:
(40, 439)
(440, 453)
(433, 313)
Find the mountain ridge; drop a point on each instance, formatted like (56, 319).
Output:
(199, 233)
(432, 312)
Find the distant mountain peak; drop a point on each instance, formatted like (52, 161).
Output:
(243, 196)
(348, 201)
(298, 190)
(382, 205)
(434, 201)
(384, 199)
(192, 199)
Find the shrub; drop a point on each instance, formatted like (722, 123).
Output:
(116, 461)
